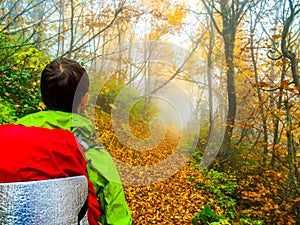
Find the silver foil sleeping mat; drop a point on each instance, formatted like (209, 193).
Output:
(46, 202)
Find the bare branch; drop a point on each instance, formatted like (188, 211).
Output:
(117, 12)
(178, 71)
(210, 12)
(20, 14)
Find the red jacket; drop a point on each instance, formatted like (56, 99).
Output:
(32, 153)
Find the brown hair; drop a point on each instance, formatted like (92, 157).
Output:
(63, 83)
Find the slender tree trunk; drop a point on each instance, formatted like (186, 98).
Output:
(209, 75)
(276, 120)
(60, 41)
(260, 98)
(229, 31)
(290, 146)
(72, 29)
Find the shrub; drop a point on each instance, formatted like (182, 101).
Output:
(20, 69)
(8, 112)
(222, 208)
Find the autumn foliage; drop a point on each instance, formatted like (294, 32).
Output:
(192, 196)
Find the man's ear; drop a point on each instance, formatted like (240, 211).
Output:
(83, 103)
(84, 99)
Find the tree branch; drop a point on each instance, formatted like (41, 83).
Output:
(20, 14)
(178, 71)
(210, 13)
(117, 12)
(284, 47)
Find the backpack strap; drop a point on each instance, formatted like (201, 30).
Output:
(83, 211)
(83, 144)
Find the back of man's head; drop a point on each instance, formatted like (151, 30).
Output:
(63, 83)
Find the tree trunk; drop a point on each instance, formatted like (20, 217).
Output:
(229, 31)
(209, 76)
(291, 150)
(260, 98)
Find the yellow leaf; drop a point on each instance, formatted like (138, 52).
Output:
(176, 16)
(112, 106)
(42, 106)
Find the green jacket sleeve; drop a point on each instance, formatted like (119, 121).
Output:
(105, 177)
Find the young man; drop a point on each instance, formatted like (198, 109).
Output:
(64, 88)
(35, 153)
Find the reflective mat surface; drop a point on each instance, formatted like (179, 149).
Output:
(47, 202)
